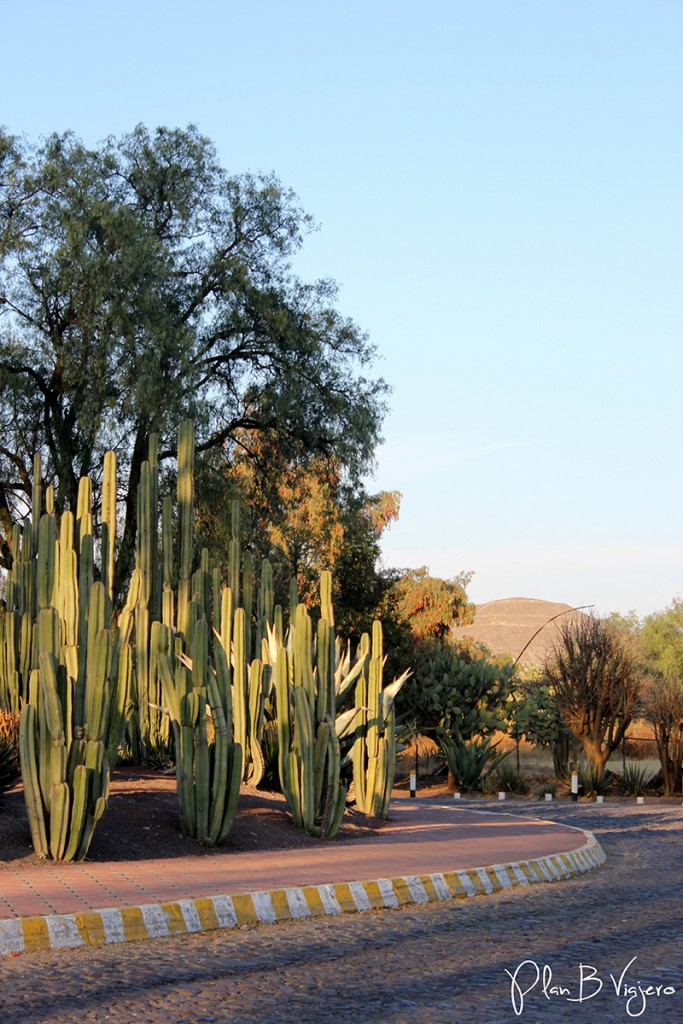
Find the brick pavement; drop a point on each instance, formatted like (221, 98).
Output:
(427, 852)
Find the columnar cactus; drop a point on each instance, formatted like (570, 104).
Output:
(148, 726)
(374, 748)
(208, 769)
(200, 679)
(308, 746)
(73, 678)
(312, 679)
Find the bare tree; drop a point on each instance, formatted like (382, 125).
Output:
(596, 678)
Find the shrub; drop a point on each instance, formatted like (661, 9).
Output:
(509, 780)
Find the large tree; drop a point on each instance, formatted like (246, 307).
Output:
(140, 283)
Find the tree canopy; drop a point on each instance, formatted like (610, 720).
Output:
(140, 283)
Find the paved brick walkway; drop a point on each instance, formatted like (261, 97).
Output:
(427, 852)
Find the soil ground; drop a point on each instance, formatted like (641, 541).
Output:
(141, 823)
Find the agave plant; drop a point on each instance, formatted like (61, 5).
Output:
(470, 760)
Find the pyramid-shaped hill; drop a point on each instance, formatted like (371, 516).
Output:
(505, 628)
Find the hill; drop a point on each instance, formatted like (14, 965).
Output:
(507, 626)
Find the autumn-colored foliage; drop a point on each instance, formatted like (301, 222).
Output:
(430, 606)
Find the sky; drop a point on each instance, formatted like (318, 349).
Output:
(498, 191)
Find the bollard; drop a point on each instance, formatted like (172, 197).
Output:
(413, 784)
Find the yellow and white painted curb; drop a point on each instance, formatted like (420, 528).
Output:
(126, 924)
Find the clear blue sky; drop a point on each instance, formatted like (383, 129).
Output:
(499, 190)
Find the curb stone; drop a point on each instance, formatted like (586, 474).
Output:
(147, 921)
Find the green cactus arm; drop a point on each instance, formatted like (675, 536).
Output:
(26, 651)
(78, 811)
(359, 772)
(219, 783)
(247, 595)
(338, 814)
(239, 680)
(303, 746)
(325, 680)
(333, 787)
(185, 766)
(98, 685)
(202, 779)
(32, 795)
(257, 765)
(235, 771)
(36, 500)
(223, 686)
(320, 763)
(326, 608)
(47, 548)
(185, 518)
(282, 720)
(168, 687)
(109, 524)
(59, 820)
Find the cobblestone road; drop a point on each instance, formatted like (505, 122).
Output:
(426, 965)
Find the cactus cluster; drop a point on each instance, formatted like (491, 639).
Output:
(65, 669)
(191, 664)
(308, 746)
(195, 664)
(312, 679)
